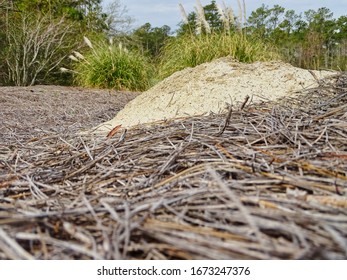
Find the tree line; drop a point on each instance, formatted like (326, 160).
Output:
(37, 37)
(313, 39)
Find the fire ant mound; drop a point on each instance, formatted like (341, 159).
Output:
(212, 87)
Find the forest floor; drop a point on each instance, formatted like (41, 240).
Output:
(27, 112)
(264, 181)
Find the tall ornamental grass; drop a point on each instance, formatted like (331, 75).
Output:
(111, 66)
(190, 51)
(203, 44)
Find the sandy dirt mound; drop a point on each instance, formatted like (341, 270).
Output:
(211, 87)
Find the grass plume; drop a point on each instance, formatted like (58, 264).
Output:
(111, 66)
(190, 51)
(201, 22)
(183, 14)
(196, 48)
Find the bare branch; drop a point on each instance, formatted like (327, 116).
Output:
(37, 46)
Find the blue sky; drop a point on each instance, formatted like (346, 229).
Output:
(159, 13)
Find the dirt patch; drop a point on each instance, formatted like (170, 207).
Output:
(211, 87)
(27, 112)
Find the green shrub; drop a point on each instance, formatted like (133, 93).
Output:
(191, 50)
(110, 66)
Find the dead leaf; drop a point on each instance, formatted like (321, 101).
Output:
(113, 131)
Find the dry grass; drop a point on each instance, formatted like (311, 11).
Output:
(272, 185)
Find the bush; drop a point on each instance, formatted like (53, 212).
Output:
(110, 66)
(34, 47)
(191, 50)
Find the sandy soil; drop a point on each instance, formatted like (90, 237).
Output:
(27, 112)
(212, 87)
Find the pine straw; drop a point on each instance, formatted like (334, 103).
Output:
(272, 185)
(26, 112)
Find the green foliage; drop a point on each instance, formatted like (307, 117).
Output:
(36, 35)
(88, 13)
(315, 40)
(191, 50)
(110, 66)
(212, 16)
(264, 20)
(209, 33)
(150, 40)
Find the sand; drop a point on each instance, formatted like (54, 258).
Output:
(211, 88)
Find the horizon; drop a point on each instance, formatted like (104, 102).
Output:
(159, 13)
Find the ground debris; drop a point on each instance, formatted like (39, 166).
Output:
(271, 185)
